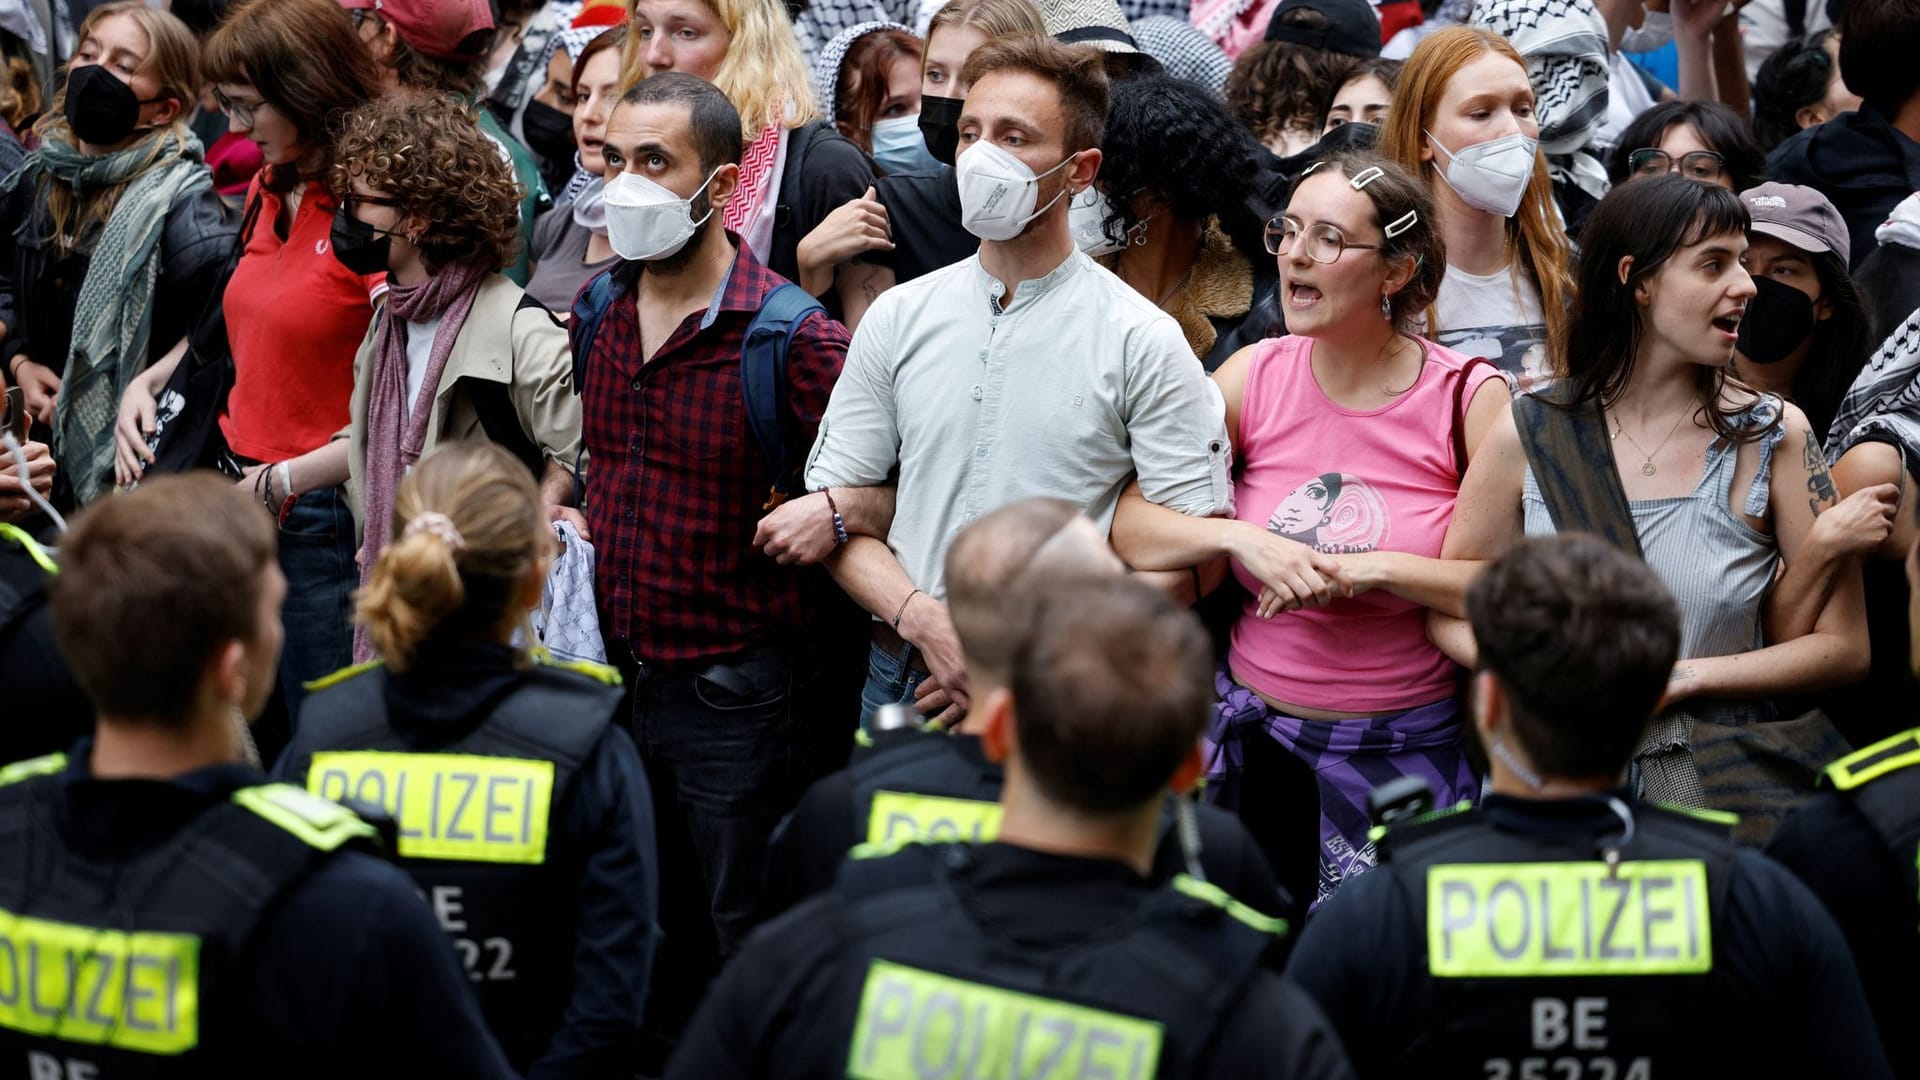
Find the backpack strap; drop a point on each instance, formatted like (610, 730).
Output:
(499, 420)
(589, 310)
(1572, 460)
(763, 383)
(1461, 402)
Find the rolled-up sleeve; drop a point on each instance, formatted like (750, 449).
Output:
(859, 440)
(1176, 424)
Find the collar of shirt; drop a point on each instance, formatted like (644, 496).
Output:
(1018, 892)
(1026, 293)
(1585, 816)
(109, 817)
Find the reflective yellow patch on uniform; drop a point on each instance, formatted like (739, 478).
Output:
(1493, 920)
(898, 816)
(463, 807)
(1902, 751)
(135, 991)
(918, 1025)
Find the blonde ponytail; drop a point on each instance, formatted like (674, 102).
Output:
(468, 529)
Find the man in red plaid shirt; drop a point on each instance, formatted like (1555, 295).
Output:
(725, 688)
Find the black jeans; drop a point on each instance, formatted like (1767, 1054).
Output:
(728, 749)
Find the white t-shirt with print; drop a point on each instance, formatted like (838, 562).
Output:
(1497, 316)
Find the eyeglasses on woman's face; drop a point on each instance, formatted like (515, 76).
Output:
(1705, 166)
(1325, 242)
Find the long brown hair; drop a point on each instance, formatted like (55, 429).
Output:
(306, 61)
(171, 56)
(1535, 228)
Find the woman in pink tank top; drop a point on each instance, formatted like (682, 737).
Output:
(1350, 439)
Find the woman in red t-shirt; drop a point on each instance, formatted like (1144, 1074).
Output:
(285, 72)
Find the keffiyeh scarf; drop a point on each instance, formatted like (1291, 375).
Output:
(1565, 46)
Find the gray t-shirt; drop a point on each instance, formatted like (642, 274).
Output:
(561, 268)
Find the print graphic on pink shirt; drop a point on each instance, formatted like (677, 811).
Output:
(1333, 513)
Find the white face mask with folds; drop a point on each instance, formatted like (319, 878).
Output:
(647, 222)
(1493, 175)
(998, 191)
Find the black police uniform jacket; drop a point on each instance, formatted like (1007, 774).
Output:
(1501, 942)
(479, 800)
(1856, 845)
(959, 960)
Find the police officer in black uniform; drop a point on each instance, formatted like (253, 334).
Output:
(1857, 846)
(927, 784)
(522, 808)
(164, 912)
(1049, 952)
(45, 710)
(1563, 929)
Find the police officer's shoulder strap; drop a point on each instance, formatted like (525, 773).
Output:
(319, 823)
(328, 682)
(1402, 837)
(1861, 767)
(557, 712)
(1209, 893)
(1718, 822)
(32, 767)
(896, 753)
(19, 537)
(604, 674)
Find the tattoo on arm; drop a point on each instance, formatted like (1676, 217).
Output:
(1819, 479)
(1681, 673)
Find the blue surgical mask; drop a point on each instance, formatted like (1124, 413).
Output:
(898, 146)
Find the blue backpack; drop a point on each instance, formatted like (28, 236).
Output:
(763, 368)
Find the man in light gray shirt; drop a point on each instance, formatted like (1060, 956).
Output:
(1026, 370)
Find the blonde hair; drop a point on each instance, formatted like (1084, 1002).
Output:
(426, 585)
(994, 18)
(764, 74)
(173, 61)
(1534, 228)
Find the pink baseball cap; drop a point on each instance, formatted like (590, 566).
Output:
(436, 28)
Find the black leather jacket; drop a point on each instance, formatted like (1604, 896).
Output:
(38, 290)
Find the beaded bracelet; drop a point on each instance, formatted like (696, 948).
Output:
(839, 523)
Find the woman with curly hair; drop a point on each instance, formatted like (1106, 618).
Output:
(1463, 118)
(454, 353)
(796, 168)
(1349, 438)
(1168, 214)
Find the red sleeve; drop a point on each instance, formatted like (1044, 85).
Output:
(813, 364)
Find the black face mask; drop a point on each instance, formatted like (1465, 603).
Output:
(359, 246)
(100, 108)
(940, 126)
(549, 133)
(1778, 319)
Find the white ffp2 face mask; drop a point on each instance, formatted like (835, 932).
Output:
(1493, 175)
(647, 222)
(1087, 219)
(998, 190)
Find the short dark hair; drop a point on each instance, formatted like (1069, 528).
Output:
(1078, 73)
(1722, 129)
(1794, 77)
(180, 555)
(1878, 42)
(713, 122)
(1582, 638)
(1111, 689)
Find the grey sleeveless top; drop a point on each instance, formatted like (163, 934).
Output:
(1718, 568)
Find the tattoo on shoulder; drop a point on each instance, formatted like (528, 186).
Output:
(1820, 489)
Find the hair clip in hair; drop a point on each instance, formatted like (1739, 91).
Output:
(439, 525)
(1308, 171)
(1402, 223)
(1367, 176)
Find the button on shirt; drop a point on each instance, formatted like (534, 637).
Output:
(677, 481)
(1067, 393)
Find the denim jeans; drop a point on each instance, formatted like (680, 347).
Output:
(891, 679)
(316, 555)
(726, 755)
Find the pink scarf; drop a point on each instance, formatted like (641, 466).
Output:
(395, 438)
(757, 164)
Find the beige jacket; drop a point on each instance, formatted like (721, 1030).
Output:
(501, 343)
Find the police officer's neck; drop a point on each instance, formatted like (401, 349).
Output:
(1505, 781)
(1037, 823)
(130, 748)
